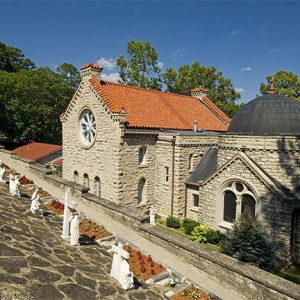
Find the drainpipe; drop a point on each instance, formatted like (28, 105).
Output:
(173, 175)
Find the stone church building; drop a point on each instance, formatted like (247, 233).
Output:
(139, 147)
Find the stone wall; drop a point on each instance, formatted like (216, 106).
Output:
(102, 159)
(278, 156)
(244, 279)
(131, 171)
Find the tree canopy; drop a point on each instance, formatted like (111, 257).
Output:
(285, 83)
(141, 67)
(220, 89)
(31, 100)
(12, 59)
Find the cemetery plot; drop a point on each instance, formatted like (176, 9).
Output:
(93, 230)
(191, 292)
(142, 266)
(56, 207)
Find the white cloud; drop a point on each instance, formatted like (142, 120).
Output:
(178, 52)
(107, 63)
(246, 69)
(274, 50)
(234, 32)
(112, 77)
(160, 64)
(239, 90)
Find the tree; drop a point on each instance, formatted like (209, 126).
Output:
(285, 83)
(221, 90)
(30, 104)
(69, 75)
(141, 68)
(247, 242)
(12, 59)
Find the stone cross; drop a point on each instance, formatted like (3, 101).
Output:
(74, 229)
(2, 171)
(120, 268)
(14, 185)
(152, 215)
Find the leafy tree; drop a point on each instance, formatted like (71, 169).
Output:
(69, 75)
(187, 77)
(285, 83)
(247, 242)
(30, 104)
(12, 59)
(141, 67)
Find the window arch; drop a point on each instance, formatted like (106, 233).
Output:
(97, 186)
(75, 177)
(142, 190)
(142, 155)
(86, 181)
(238, 198)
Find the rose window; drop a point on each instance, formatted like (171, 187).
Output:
(87, 123)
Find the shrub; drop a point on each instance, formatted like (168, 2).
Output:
(199, 234)
(215, 236)
(189, 225)
(247, 242)
(173, 222)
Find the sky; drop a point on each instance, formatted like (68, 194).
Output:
(246, 40)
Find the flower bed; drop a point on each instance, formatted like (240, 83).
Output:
(191, 292)
(93, 230)
(142, 266)
(56, 207)
(24, 180)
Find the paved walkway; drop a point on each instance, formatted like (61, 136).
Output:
(36, 263)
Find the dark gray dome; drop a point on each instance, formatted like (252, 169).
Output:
(268, 115)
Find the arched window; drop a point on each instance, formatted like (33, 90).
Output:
(97, 186)
(141, 190)
(190, 162)
(86, 181)
(142, 155)
(75, 177)
(238, 199)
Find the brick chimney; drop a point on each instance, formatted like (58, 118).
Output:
(91, 70)
(199, 93)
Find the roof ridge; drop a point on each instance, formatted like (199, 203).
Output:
(143, 89)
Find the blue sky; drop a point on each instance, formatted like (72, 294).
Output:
(246, 40)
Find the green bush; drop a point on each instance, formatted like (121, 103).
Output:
(215, 237)
(199, 234)
(247, 242)
(189, 225)
(173, 222)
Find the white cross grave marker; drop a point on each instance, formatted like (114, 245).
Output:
(120, 268)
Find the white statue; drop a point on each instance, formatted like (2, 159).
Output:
(14, 185)
(74, 229)
(152, 215)
(34, 195)
(35, 205)
(120, 268)
(2, 172)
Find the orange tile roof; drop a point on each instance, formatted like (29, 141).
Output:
(36, 151)
(95, 66)
(58, 162)
(199, 89)
(154, 109)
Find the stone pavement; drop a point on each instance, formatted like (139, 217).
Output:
(35, 263)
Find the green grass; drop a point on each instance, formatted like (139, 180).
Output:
(291, 274)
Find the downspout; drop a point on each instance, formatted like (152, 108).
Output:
(185, 201)
(173, 175)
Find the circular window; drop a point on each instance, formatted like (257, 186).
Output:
(87, 124)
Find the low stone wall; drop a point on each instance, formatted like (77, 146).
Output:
(246, 280)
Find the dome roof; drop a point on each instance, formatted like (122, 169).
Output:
(268, 115)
